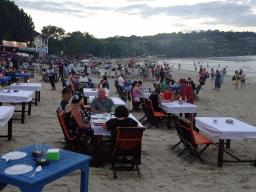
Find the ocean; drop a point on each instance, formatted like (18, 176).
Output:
(246, 63)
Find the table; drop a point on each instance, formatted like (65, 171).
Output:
(22, 75)
(223, 130)
(5, 79)
(128, 83)
(68, 163)
(6, 114)
(18, 97)
(90, 92)
(175, 107)
(28, 87)
(117, 101)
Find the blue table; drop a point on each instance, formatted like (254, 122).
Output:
(128, 83)
(5, 78)
(127, 88)
(68, 162)
(24, 75)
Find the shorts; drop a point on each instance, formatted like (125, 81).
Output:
(243, 80)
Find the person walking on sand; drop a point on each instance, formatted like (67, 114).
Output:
(237, 79)
(217, 80)
(242, 79)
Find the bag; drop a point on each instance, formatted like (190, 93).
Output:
(233, 78)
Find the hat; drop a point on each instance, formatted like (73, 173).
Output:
(66, 90)
(182, 81)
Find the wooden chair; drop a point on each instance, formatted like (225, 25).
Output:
(192, 139)
(144, 108)
(153, 115)
(127, 149)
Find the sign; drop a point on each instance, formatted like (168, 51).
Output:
(14, 44)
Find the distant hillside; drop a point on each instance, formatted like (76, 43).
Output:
(195, 44)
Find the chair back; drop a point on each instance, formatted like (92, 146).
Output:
(143, 105)
(61, 117)
(128, 140)
(187, 130)
(176, 120)
(149, 106)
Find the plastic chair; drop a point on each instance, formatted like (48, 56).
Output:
(127, 149)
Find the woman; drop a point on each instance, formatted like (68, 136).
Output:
(104, 82)
(121, 120)
(201, 75)
(237, 79)
(217, 80)
(212, 74)
(51, 75)
(242, 79)
(136, 95)
(76, 126)
(168, 95)
(156, 99)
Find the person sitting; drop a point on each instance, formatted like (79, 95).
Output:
(66, 96)
(121, 120)
(104, 82)
(77, 128)
(101, 104)
(84, 81)
(186, 92)
(135, 95)
(165, 84)
(71, 79)
(172, 81)
(168, 95)
(121, 80)
(156, 99)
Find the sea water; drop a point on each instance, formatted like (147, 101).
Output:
(246, 63)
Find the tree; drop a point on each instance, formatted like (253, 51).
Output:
(53, 31)
(15, 25)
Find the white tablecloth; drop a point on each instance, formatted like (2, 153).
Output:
(98, 130)
(117, 101)
(223, 130)
(5, 114)
(175, 107)
(16, 97)
(89, 92)
(26, 86)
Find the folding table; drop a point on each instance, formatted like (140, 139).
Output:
(18, 97)
(28, 87)
(68, 163)
(6, 114)
(117, 101)
(223, 130)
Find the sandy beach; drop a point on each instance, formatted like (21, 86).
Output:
(161, 169)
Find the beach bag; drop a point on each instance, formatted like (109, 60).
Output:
(233, 78)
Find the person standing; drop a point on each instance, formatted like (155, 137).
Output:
(242, 79)
(51, 75)
(217, 80)
(222, 74)
(60, 72)
(15, 64)
(237, 79)
(201, 75)
(212, 74)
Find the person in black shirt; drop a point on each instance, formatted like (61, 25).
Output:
(66, 96)
(121, 120)
(191, 83)
(60, 72)
(156, 99)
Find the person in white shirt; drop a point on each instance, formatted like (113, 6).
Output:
(121, 80)
(50, 72)
(70, 67)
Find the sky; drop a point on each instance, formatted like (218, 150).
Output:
(108, 18)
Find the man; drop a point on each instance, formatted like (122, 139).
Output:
(171, 80)
(121, 80)
(165, 84)
(186, 92)
(101, 104)
(66, 96)
(222, 74)
(191, 83)
(60, 72)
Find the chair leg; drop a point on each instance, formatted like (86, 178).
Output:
(138, 170)
(176, 145)
(182, 151)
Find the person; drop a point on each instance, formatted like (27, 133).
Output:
(136, 91)
(60, 72)
(156, 99)
(15, 64)
(76, 126)
(191, 83)
(104, 82)
(171, 80)
(242, 79)
(71, 79)
(21, 61)
(122, 120)
(186, 92)
(161, 75)
(121, 80)
(165, 84)
(237, 79)
(101, 104)
(51, 75)
(168, 95)
(201, 75)
(240, 72)
(217, 80)
(212, 74)
(71, 68)
(85, 69)
(66, 96)
(222, 74)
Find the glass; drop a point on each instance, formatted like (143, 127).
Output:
(215, 118)
(38, 147)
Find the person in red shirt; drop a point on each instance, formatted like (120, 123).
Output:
(168, 94)
(186, 92)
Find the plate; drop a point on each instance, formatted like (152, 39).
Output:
(18, 169)
(14, 155)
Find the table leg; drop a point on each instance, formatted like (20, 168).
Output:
(29, 107)
(194, 123)
(36, 98)
(35, 188)
(39, 96)
(84, 185)
(23, 113)
(10, 129)
(180, 114)
(220, 153)
(0, 103)
(168, 120)
(228, 143)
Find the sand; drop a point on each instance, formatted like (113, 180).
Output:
(161, 169)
